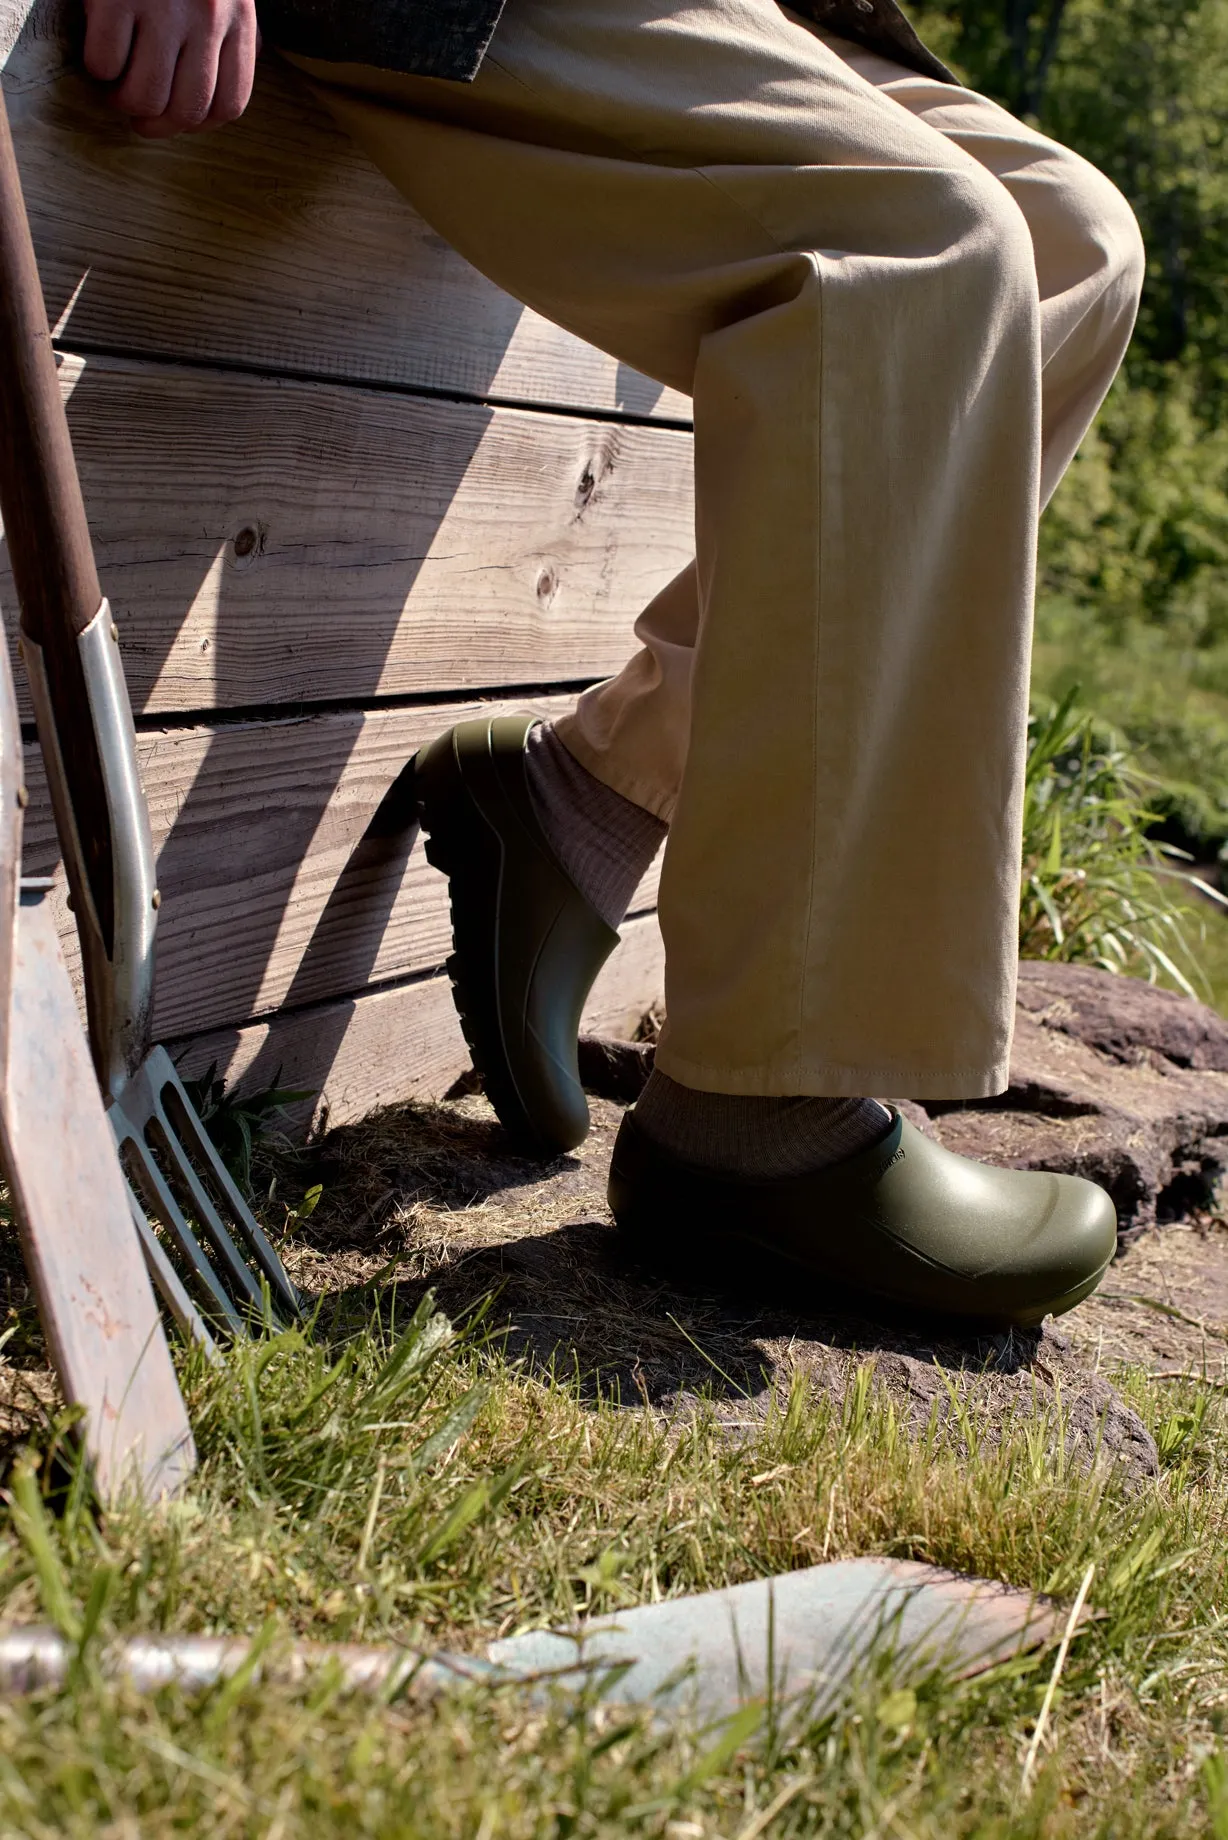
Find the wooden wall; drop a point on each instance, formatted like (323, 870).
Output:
(343, 492)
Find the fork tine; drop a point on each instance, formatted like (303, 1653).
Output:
(235, 1273)
(177, 1108)
(157, 1197)
(187, 1318)
(153, 1114)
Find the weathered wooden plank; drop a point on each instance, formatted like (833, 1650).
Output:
(279, 884)
(273, 243)
(73, 1215)
(269, 541)
(390, 1046)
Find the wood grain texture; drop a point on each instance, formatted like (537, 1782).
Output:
(286, 871)
(95, 1302)
(273, 244)
(265, 542)
(391, 1046)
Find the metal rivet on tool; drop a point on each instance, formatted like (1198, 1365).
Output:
(21, 650)
(68, 902)
(157, 897)
(115, 632)
(23, 797)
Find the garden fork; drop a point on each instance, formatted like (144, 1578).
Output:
(85, 728)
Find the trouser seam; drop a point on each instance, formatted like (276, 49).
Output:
(817, 460)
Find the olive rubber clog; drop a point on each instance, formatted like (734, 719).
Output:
(527, 946)
(904, 1224)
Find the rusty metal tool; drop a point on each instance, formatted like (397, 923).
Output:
(69, 1198)
(85, 728)
(805, 1642)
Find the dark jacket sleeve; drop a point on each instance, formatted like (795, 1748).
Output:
(880, 26)
(425, 38)
(448, 38)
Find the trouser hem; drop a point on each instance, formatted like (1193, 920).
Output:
(637, 791)
(801, 1078)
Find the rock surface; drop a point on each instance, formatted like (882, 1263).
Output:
(1123, 1017)
(1111, 1078)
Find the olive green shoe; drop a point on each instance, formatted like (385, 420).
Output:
(527, 946)
(903, 1225)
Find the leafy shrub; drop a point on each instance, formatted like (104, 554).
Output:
(1137, 533)
(1097, 888)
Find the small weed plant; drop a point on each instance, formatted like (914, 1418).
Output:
(240, 1124)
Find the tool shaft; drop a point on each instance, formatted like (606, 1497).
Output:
(48, 536)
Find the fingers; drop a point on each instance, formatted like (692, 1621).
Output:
(109, 26)
(178, 65)
(236, 70)
(146, 87)
(195, 80)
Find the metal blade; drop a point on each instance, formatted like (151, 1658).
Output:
(806, 1636)
(199, 1153)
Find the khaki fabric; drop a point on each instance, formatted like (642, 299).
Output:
(897, 310)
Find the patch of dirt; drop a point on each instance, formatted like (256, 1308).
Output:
(433, 1197)
(1163, 1305)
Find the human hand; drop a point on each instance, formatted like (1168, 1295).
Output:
(177, 65)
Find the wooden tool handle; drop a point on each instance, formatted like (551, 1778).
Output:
(49, 546)
(44, 514)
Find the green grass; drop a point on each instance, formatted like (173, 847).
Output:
(1213, 958)
(421, 1489)
(1155, 746)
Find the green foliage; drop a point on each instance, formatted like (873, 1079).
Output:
(1096, 888)
(1169, 704)
(1141, 90)
(1134, 579)
(1005, 48)
(1138, 531)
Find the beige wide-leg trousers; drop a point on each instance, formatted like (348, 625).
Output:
(897, 310)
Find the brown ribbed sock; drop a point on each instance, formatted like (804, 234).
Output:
(754, 1136)
(604, 842)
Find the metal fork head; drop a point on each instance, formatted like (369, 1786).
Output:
(173, 1170)
(177, 1176)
